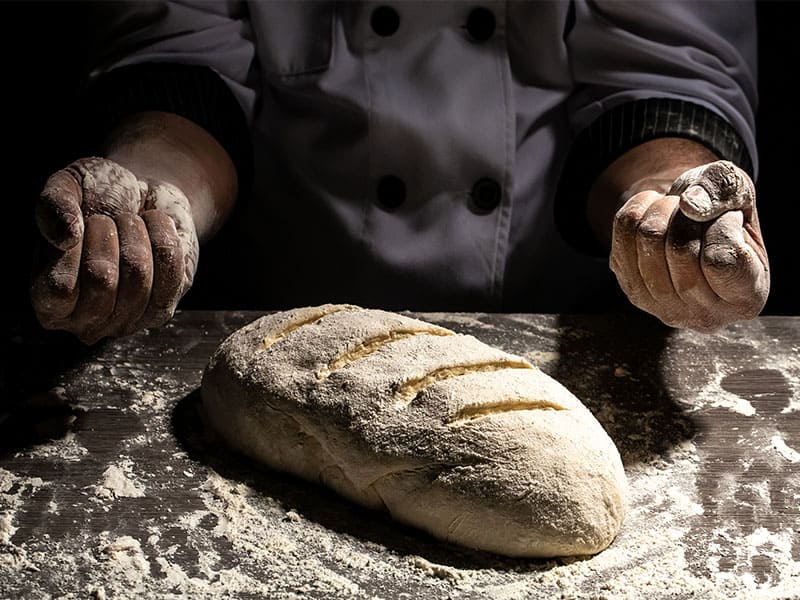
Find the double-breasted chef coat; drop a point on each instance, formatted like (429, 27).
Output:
(407, 154)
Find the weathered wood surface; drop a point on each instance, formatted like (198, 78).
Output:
(112, 486)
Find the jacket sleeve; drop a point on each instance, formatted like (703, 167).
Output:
(650, 69)
(191, 59)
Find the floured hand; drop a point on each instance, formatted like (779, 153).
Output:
(116, 254)
(694, 257)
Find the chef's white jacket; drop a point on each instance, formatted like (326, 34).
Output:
(415, 154)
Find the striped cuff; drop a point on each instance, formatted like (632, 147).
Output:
(617, 131)
(194, 92)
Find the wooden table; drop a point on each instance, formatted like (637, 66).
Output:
(112, 486)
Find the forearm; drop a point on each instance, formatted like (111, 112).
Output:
(652, 165)
(166, 147)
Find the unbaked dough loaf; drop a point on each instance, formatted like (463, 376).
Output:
(474, 445)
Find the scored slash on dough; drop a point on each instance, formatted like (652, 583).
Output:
(409, 390)
(476, 411)
(307, 318)
(374, 344)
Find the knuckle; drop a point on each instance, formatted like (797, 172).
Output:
(134, 256)
(685, 251)
(136, 274)
(100, 273)
(725, 260)
(57, 285)
(53, 295)
(135, 260)
(650, 231)
(626, 219)
(168, 258)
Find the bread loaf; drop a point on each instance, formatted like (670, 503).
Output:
(450, 435)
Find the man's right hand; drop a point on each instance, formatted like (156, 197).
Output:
(115, 255)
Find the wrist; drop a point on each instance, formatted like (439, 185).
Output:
(159, 146)
(653, 165)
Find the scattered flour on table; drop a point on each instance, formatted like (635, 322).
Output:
(282, 554)
(6, 528)
(542, 358)
(126, 554)
(151, 399)
(232, 540)
(66, 449)
(762, 356)
(785, 451)
(119, 482)
(15, 490)
(713, 395)
(455, 319)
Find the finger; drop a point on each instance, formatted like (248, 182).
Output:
(683, 258)
(172, 201)
(58, 211)
(54, 284)
(624, 252)
(732, 267)
(135, 274)
(710, 190)
(651, 240)
(168, 268)
(99, 275)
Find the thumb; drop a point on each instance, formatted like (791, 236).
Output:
(710, 190)
(58, 210)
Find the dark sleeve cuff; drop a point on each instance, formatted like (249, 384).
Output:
(194, 92)
(617, 131)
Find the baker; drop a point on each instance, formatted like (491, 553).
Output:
(448, 155)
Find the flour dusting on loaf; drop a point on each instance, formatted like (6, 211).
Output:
(472, 444)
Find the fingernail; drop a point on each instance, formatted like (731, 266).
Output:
(696, 198)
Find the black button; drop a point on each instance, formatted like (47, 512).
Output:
(385, 21)
(486, 194)
(391, 191)
(480, 24)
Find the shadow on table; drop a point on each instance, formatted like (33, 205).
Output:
(33, 363)
(615, 364)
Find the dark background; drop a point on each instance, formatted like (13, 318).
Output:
(44, 50)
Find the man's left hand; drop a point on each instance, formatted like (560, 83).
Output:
(694, 257)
